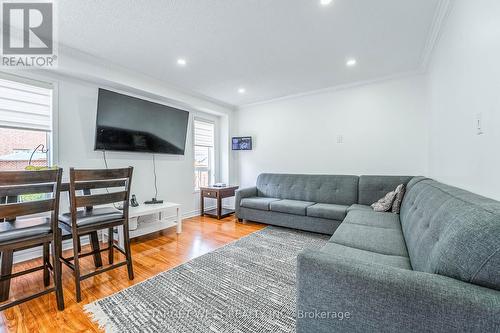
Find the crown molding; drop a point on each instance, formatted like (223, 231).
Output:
(335, 88)
(444, 8)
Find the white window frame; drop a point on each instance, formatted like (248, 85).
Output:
(52, 136)
(213, 165)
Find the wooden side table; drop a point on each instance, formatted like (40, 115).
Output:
(218, 193)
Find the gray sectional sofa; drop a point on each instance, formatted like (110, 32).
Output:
(317, 203)
(433, 268)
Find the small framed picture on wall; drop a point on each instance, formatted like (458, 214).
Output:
(242, 143)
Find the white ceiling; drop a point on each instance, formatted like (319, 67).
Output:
(272, 48)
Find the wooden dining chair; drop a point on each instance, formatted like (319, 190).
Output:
(31, 220)
(85, 219)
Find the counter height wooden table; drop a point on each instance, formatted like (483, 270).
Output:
(218, 193)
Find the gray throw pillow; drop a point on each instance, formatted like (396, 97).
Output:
(385, 204)
(400, 192)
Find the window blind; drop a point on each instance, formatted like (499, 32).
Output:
(25, 106)
(203, 133)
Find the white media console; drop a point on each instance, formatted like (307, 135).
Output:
(162, 210)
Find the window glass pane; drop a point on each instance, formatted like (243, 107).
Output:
(17, 148)
(201, 157)
(201, 178)
(204, 138)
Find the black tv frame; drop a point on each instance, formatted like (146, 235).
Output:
(96, 148)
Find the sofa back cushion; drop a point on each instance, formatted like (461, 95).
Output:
(333, 189)
(452, 232)
(373, 188)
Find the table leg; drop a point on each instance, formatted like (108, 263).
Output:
(6, 270)
(219, 206)
(179, 221)
(202, 203)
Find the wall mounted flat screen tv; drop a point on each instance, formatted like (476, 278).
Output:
(242, 143)
(126, 123)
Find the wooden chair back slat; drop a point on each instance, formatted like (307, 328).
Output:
(26, 208)
(93, 185)
(13, 178)
(6, 191)
(100, 199)
(81, 175)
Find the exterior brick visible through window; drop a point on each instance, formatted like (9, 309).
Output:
(17, 146)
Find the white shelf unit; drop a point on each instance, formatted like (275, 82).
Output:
(150, 227)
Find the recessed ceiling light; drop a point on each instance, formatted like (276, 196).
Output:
(325, 2)
(181, 62)
(351, 62)
(242, 90)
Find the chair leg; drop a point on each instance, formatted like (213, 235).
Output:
(128, 254)
(111, 237)
(6, 270)
(2, 201)
(76, 272)
(94, 243)
(56, 255)
(79, 245)
(46, 261)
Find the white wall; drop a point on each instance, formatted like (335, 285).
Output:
(464, 80)
(384, 129)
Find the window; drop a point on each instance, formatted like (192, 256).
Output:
(25, 125)
(204, 138)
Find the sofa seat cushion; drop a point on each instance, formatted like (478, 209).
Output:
(366, 256)
(261, 203)
(359, 207)
(296, 207)
(327, 211)
(369, 238)
(373, 219)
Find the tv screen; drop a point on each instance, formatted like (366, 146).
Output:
(242, 143)
(126, 123)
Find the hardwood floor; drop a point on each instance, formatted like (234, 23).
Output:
(152, 254)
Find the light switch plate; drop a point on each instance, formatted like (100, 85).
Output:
(479, 124)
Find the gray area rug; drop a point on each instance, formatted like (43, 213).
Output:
(245, 286)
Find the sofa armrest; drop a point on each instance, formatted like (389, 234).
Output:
(371, 297)
(243, 193)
